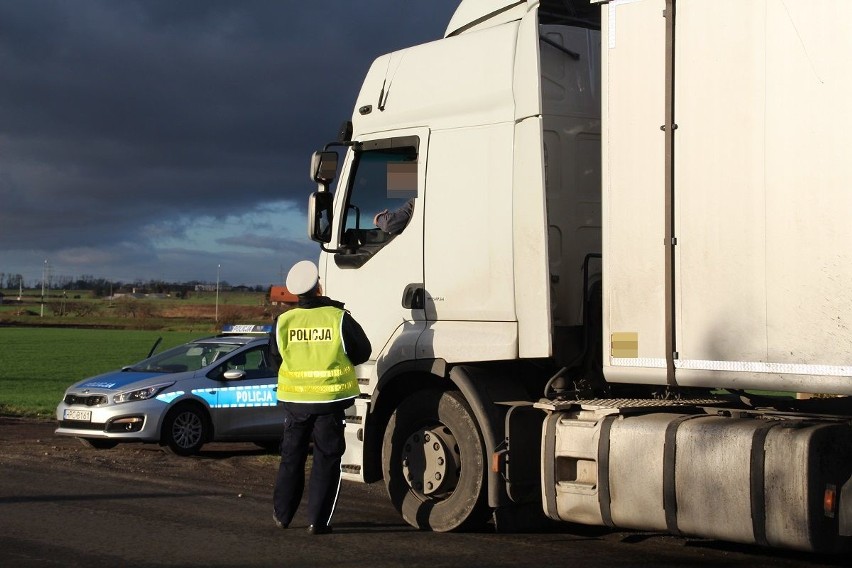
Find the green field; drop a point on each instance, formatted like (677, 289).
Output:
(38, 364)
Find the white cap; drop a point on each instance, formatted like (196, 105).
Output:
(302, 278)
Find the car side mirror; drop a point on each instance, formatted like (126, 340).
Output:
(234, 375)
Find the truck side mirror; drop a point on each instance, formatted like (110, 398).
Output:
(320, 215)
(324, 167)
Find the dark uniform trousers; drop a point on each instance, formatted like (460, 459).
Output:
(326, 431)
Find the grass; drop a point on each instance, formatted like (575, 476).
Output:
(38, 364)
(76, 335)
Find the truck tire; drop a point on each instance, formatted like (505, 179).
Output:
(433, 462)
(185, 430)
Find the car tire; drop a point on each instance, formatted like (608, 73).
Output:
(98, 443)
(185, 429)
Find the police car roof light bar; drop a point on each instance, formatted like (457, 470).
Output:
(246, 328)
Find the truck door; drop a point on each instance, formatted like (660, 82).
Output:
(379, 275)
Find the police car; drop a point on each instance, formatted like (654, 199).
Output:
(219, 388)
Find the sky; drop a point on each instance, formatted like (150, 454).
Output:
(171, 140)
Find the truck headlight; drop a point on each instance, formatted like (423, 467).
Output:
(140, 394)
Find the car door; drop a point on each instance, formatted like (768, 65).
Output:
(246, 406)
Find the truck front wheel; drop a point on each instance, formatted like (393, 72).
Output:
(434, 463)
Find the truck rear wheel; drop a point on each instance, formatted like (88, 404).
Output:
(434, 463)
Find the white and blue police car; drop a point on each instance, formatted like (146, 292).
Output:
(214, 389)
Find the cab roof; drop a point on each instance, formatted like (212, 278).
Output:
(479, 14)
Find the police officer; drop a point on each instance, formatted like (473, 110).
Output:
(318, 343)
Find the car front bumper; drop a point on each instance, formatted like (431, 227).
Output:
(133, 421)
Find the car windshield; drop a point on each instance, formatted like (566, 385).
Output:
(188, 357)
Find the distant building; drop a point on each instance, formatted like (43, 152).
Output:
(137, 296)
(281, 296)
(130, 295)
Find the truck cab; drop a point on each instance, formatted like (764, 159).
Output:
(594, 267)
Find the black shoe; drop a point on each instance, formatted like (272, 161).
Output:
(278, 523)
(319, 529)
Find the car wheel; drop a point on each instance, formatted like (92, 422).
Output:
(433, 461)
(185, 430)
(98, 443)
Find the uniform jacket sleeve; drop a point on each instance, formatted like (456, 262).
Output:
(274, 355)
(358, 347)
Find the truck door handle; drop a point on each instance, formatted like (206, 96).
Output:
(414, 297)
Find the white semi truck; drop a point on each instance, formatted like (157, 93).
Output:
(631, 231)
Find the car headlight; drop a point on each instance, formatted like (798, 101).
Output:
(140, 394)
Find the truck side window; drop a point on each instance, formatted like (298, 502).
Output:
(382, 179)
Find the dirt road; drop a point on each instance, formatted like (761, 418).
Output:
(67, 505)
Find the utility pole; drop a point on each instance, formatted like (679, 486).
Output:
(43, 279)
(218, 267)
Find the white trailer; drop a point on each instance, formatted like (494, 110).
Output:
(628, 217)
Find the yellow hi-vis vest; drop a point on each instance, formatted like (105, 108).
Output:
(315, 367)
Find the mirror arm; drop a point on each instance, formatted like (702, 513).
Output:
(332, 250)
(356, 145)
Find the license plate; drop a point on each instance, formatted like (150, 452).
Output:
(81, 415)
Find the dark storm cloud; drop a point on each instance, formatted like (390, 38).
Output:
(118, 114)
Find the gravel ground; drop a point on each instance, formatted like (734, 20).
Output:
(244, 467)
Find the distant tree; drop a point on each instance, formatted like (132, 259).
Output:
(146, 310)
(84, 282)
(159, 287)
(57, 308)
(83, 309)
(130, 308)
(126, 307)
(99, 287)
(233, 314)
